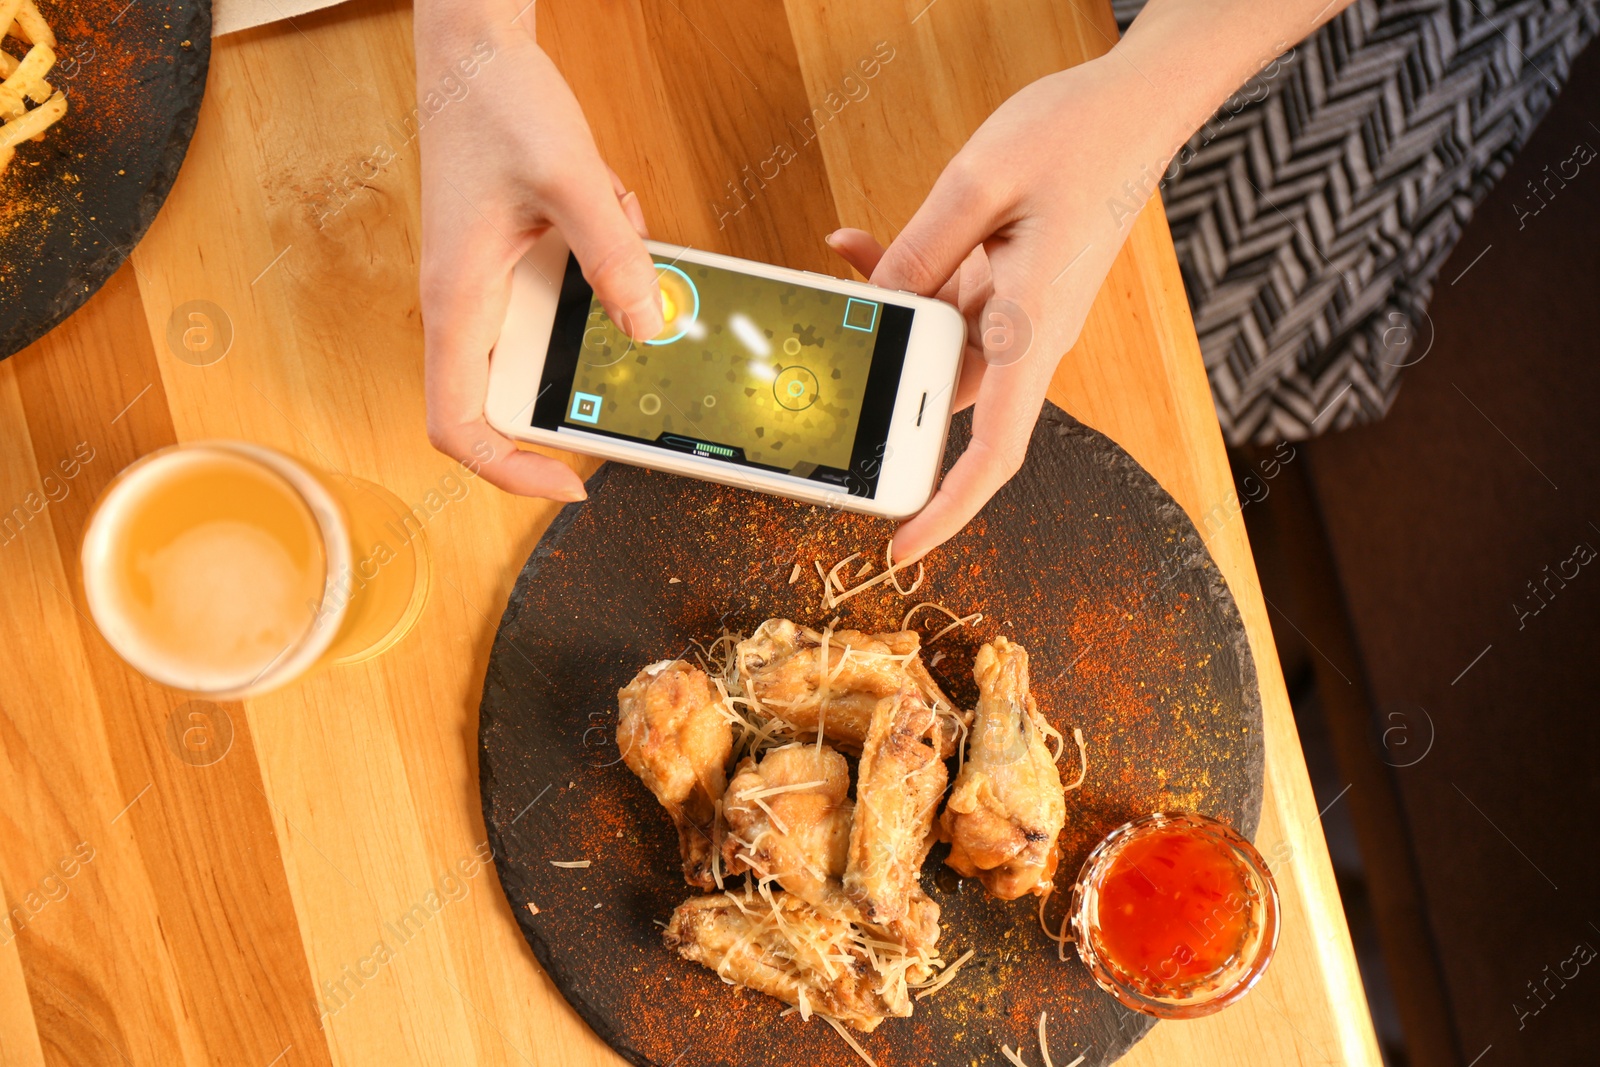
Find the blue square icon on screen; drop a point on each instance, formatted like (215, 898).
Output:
(860, 315)
(585, 407)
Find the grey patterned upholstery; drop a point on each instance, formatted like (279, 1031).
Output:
(1312, 214)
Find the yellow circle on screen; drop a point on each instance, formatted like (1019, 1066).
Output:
(680, 304)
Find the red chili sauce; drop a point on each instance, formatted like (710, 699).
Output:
(1174, 909)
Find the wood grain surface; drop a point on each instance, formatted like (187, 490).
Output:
(228, 913)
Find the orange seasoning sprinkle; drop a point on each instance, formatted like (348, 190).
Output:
(109, 54)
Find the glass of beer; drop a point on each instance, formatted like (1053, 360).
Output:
(228, 569)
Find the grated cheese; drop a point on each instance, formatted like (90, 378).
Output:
(834, 591)
(569, 864)
(718, 826)
(794, 575)
(945, 977)
(852, 1042)
(833, 574)
(1083, 760)
(775, 790)
(905, 623)
(1060, 937)
(1055, 735)
(844, 661)
(762, 804)
(965, 620)
(888, 561)
(959, 620)
(822, 690)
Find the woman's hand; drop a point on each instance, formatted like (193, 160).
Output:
(1019, 231)
(502, 163)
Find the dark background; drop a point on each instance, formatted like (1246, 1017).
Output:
(1452, 728)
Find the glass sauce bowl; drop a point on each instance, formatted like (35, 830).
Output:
(1175, 915)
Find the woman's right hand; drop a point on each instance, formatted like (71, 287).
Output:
(502, 162)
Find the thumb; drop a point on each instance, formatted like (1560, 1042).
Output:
(959, 214)
(856, 247)
(612, 255)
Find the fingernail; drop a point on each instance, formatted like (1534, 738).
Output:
(832, 240)
(652, 316)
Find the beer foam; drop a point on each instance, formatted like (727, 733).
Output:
(205, 569)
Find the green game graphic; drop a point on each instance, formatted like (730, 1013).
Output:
(776, 369)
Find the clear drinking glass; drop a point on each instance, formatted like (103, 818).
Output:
(229, 569)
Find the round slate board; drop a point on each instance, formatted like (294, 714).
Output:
(73, 205)
(1083, 558)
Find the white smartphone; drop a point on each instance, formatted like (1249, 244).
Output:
(784, 381)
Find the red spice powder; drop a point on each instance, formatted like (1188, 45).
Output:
(113, 62)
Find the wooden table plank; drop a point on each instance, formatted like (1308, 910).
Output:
(207, 843)
(351, 797)
(99, 979)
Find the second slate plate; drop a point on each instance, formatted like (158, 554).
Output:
(1133, 637)
(73, 205)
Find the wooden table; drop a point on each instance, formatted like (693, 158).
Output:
(215, 901)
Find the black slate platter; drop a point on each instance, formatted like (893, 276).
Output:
(1133, 637)
(73, 205)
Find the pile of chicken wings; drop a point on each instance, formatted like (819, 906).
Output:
(812, 871)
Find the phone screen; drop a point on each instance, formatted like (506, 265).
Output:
(748, 370)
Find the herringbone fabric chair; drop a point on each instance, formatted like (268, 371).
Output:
(1312, 214)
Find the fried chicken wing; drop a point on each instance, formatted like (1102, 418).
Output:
(836, 680)
(676, 735)
(916, 931)
(1007, 808)
(789, 819)
(908, 645)
(898, 785)
(786, 948)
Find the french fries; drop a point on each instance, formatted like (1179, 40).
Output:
(30, 22)
(25, 79)
(34, 122)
